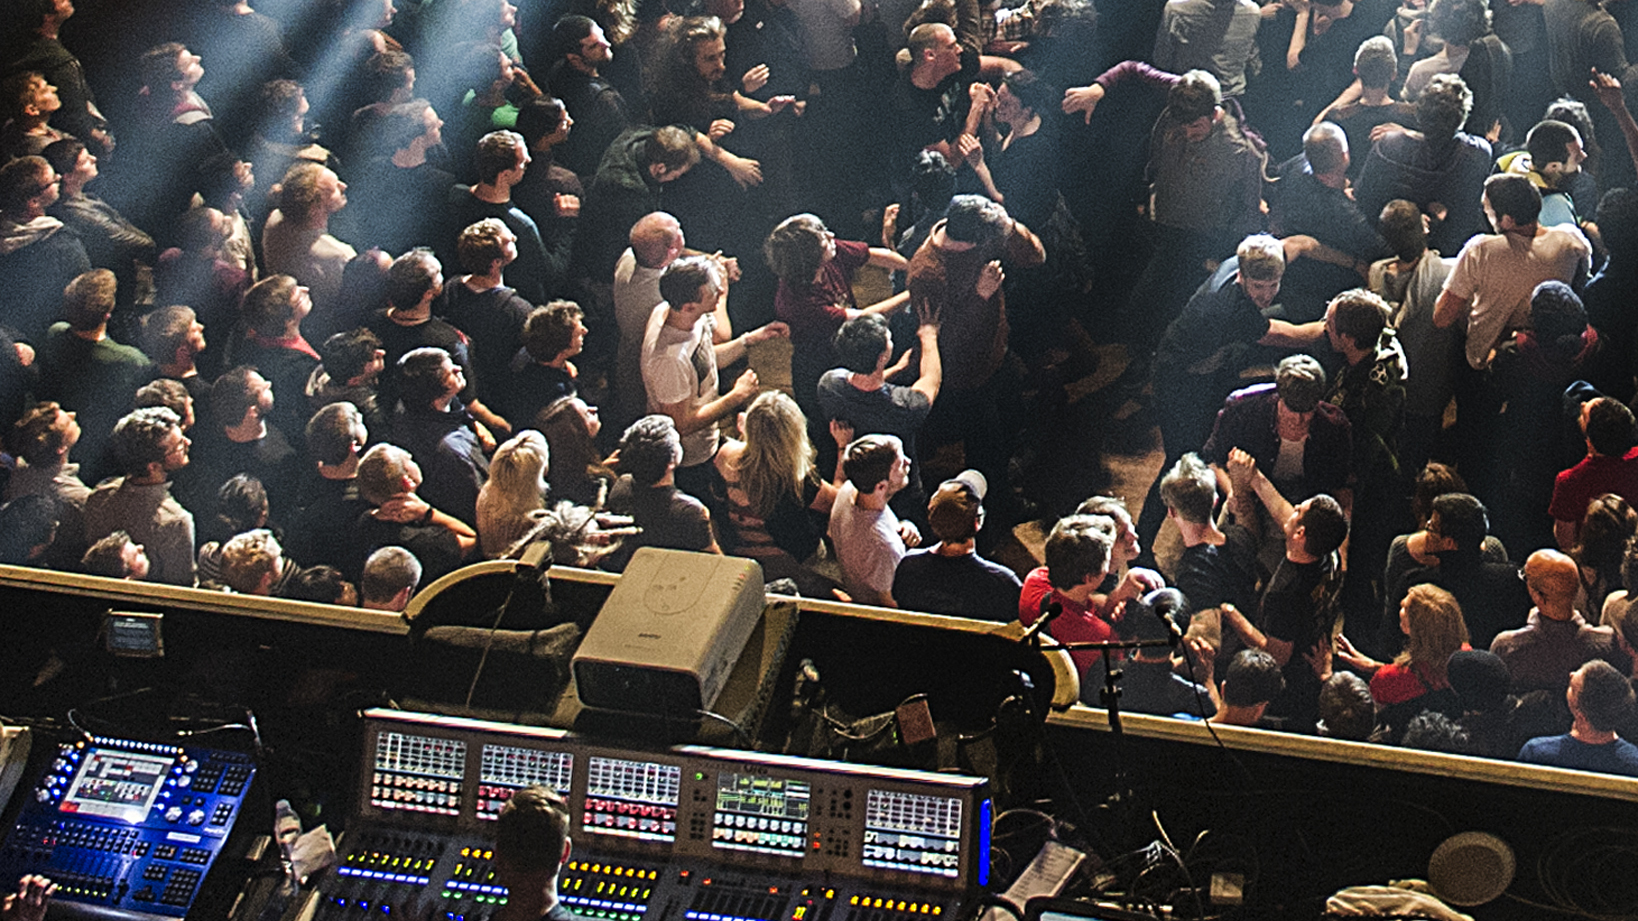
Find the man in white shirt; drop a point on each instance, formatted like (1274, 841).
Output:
(1496, 273)
(870, 540)
(688, 336)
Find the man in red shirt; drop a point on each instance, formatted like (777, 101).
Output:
(1611, 466)
(1077, 560)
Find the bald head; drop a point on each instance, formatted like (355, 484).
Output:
(656, 239)
(1553, 579)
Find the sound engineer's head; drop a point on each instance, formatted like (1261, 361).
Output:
(531, 842)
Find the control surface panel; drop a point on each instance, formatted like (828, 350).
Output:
(683, 833)
(127, 828)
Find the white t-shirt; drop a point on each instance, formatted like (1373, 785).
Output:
(827, 25)
(868, 546)
(1497, 273)
(678, 366)
(636, 291)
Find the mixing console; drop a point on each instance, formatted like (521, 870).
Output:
(681, 834)
(127, 829)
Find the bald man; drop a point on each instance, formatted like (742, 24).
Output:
(656, 241)
(1555, 640)
(1312, 198)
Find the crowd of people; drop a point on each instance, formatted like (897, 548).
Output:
(325, 300)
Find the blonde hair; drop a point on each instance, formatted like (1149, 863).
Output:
(248, 557)
(778, 456)
(1262, 257)
(517, 472)
(1437, 631)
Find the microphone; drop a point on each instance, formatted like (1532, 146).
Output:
(1049, 611)
(1168, 604)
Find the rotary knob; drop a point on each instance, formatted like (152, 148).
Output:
(173, 814)
(196, 817)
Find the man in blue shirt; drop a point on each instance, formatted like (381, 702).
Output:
(1600, 699)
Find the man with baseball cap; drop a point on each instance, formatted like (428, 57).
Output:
(950, 577)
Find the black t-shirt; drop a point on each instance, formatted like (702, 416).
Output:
(668, 516)
(960, 586)
(321, 530)
(1152, 687)
(493, 322)
(1299, 607)
(531, 273)
(1209, 575)
(1218, 315)
(397, 340)
(433, 545)
(926, 117)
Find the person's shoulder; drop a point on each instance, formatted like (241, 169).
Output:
(1542, 749)
(1251, 399)
(1566, 236)
(996, 571)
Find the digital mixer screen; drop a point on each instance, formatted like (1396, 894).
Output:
(632, 799)
(415, 773)
(506, 768)
(761, 814)
(117, 785)
(912, 833)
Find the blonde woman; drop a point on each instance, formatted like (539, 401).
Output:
(772, 490)
(1416, 679)
(513, 499)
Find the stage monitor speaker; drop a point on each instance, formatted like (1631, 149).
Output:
(669, 634)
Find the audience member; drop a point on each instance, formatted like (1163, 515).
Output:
(1467, 562)
(1555, 639)
(296, 240)
(491, 314)
(689, 336)
(41, 442)
(858, 393)
(388, 479)
(1611, 466)
(1149, 684)
(1298, 610)
(647, 491)
(116, 557)
(84, 369)
(579, 472)
(1415, 680)
(1600, 699)
(1252, 682)
(327, 499)
(39, 254)
(869, 539)
(1065, 591)
(514, 497)
(541, 370)
(950, 577)
(391, 575)
(150, 446)
(272, 314)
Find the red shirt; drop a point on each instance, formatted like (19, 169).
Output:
(816, 311)
(1077, 624)
(1591, 478)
